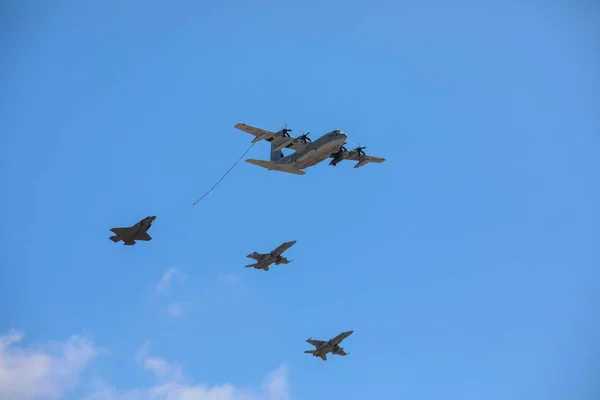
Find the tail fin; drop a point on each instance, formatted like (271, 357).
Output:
(276, 154)
(114, 238)
(309, 351)
(250, 265)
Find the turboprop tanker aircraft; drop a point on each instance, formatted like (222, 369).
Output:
(306, 152)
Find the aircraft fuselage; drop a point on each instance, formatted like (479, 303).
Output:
(317, 151)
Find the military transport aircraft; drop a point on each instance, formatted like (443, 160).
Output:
(264, 260)
(306, 152)
(138, 231)
(330, 346)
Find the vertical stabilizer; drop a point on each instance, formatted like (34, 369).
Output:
(276, 154)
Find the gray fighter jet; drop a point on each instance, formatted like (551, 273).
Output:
(330, 346)
(264, 260)
(138, 231)
(306, 152)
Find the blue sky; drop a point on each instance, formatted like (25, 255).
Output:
(467, 264)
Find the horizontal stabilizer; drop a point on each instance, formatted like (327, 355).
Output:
(309, 351)
(114, 238)
(271, 166)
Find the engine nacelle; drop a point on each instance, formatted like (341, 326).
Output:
(338, 158)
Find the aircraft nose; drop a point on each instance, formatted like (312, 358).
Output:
(293, 242)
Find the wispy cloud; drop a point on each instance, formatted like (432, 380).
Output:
(50, 372)
(175, 310)
(159, 366)
(230, 279)
(42, 373)
(170, 385)
(165, 281)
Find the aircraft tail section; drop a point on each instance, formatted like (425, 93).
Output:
(114, 238)
(272, 166)
(310, 351)
(257, 266)
(255, 256)
(276, 153)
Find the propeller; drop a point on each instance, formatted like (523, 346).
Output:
(341, 149)
(359, 150)
(304, 137)
(284, 131)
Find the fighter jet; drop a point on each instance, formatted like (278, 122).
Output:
(138, 231)
(330, 346)
(306, 152)
(264, 260)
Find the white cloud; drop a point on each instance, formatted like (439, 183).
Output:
(171, 386)
(27, 373)
(159, 366)
(166, 279)
(175, 310)
(49, 373)
(230, 279)
(276, 385)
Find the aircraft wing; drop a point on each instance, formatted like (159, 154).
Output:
(283, 247)
(316, 343)
(143, 236)
(341, 352)
(374, 159)
(353, 156)
(255, 131)
(338, 339)
(262, 265)
(269, 136)
(270, 165)
(121, 231)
